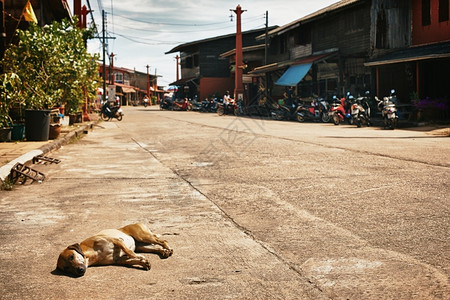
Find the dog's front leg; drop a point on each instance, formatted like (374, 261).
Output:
(139, 260)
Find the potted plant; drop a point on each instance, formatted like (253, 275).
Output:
(55, 68)
(8, 94)
(5, 127)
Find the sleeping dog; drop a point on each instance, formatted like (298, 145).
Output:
(113, 247)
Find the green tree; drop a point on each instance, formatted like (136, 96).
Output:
(53, 65)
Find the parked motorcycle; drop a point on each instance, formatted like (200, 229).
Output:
(388, 110)
(209, 105)
(282, 112)
(239, 108)
(196, 105)
(360, 111)
(317, 111)
(183, 105)
(338, 110)
(166, 103)
(109, 112)
(231, 108)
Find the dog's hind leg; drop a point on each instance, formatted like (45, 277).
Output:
(143, 235)
(145, 247)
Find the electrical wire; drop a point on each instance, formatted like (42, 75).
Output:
(170, 24)
(155, 42)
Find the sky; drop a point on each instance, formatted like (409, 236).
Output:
(142, 31)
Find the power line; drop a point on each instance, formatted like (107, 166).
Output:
(93, 21)
(134, 39)
(170, 24)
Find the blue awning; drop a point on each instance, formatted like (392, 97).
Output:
(294, 75)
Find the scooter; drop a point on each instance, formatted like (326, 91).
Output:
(317, 111)
(184, 105)
(209, 105)
(196, 105)
(232, 108)
(166, 103)
(282, 112)
(109, 112)
(360, 111)
(337, 111)
(388, 110)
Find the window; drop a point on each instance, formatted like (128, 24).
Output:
(426, 13)
(118, 77)
(303, 36)
(443, 10)
(196, 62)
(381, 33)
(283, 44)
(188, 62)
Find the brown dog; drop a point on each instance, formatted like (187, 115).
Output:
(113, 247)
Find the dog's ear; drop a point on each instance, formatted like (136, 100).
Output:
(77, 248)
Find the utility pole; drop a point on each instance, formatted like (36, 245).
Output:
(148, 82)
(266, 39)
(104, 55)
(2, 31)
(112, 76)
(178, 73)
(266, 55)
(104, 52)
(239, 67)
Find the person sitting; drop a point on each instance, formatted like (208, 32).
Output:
(227, 100)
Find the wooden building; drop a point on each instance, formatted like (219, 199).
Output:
(204, 72)
(131, 85)
(331, 44)
(422, 66)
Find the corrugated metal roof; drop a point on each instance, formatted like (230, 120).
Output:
(244, 49)
(194, 43)
(320, 13)
(433, 51)
(279, 65)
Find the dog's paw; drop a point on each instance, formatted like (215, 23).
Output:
(146, 264)
(167, 252)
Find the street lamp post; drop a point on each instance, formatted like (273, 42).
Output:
(178, 64)
(148, 82)
(239, 65)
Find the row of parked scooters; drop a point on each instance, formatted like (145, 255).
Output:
(354, 111)
(207, 105)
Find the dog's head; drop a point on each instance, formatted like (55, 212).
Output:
(72, 261)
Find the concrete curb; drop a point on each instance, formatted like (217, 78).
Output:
(25, 159)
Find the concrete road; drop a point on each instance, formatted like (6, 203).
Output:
(254, 209)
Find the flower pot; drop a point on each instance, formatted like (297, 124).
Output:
(37, 124)
(54, 131)
(72, 119)
(18, 132)
(5, 134)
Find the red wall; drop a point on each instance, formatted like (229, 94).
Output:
(435, 32)
(211, 85)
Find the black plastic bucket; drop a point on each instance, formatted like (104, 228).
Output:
(37, 124)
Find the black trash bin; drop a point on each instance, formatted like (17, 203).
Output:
(37, 124)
